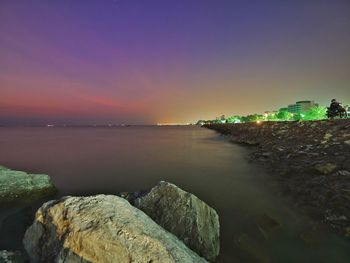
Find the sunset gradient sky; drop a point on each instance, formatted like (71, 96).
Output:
(149, 61)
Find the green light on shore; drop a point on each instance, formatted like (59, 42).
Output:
(314, 113)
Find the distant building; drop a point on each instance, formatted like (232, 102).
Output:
(294, 108)
(306, 105)
(301, 106)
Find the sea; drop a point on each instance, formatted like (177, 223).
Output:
(93, 160)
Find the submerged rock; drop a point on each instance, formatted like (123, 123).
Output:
(251, 250)
(266, 224)
(325, 168)
(184, 215)
(18, 186)
(101, 228)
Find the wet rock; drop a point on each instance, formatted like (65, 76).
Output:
(325, 168)
(11, 257)
(102, 228)
(327, 136)
(18, 186)
(347, 231)
(251, 142)
(343, 173)
(266, 224)
(335, 218)
(184, 215)
(266, 154)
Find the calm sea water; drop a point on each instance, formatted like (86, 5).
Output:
(85, 161)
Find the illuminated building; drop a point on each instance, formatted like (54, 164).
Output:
(301, 106)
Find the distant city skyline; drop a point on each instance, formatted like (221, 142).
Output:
(148, 62)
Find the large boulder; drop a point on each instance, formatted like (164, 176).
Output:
(184, 215)
(18, 186)
(101, 228)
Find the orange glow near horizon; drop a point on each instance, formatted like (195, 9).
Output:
(144, 65)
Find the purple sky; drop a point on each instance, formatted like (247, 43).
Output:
(148, 61)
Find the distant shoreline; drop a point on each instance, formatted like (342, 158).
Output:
(96, 126)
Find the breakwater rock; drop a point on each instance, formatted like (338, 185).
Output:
(18, 186)
(311, 158)
(101, 228)
(184, 215)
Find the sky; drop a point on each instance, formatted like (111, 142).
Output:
(168, 61)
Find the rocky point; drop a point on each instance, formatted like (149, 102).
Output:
(18, 186)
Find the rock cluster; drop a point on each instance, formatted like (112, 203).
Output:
(184, 215)
(312, 159)
(107, 228)
(102, 228)
(11, 257)
(18, 186)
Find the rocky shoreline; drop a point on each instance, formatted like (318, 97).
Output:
(311, 160)
(164, 224)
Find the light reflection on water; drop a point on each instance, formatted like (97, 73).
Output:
(110, 160)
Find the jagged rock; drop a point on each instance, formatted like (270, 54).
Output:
(184, 215)
(325, 168)
(101, 228)
(18, 186)
(10, 257)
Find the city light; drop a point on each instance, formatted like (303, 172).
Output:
(300, 111)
